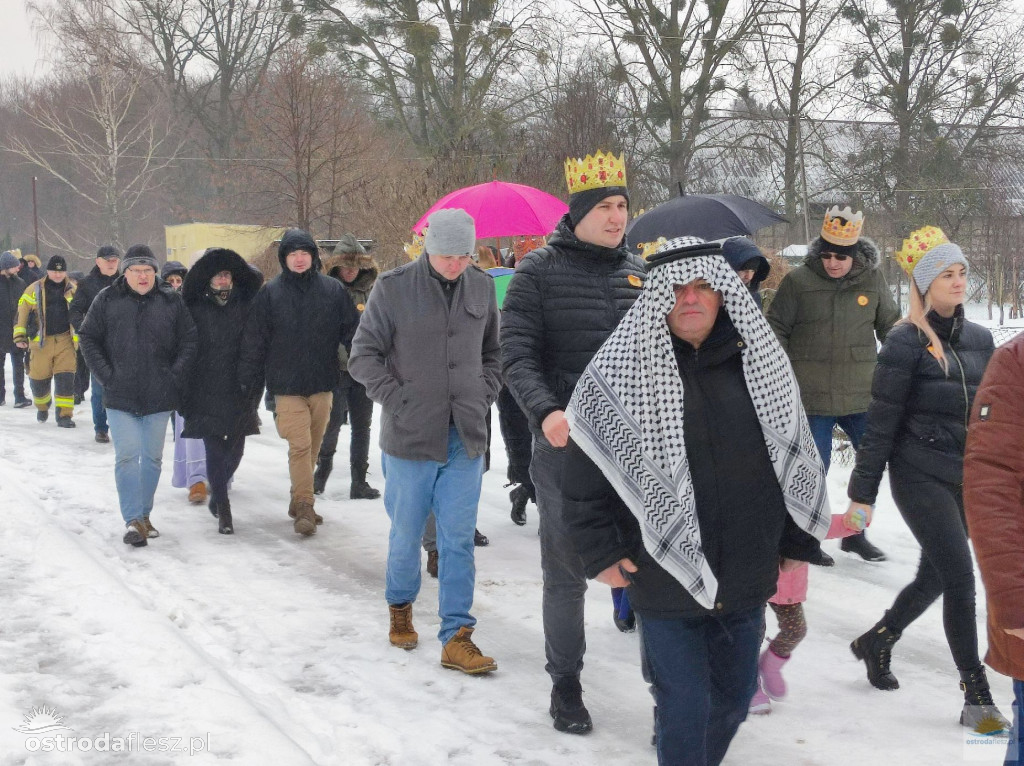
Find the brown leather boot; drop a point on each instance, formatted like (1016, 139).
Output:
(432, 563)
(402, 634)
(197, 493)
(292, 513)
(305, 519)
(460, 653)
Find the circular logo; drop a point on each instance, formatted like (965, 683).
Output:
(635, 280)
(360, 306)
(862, 300)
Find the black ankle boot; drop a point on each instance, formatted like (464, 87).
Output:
(875, 648)
(224, 525)
(360, 490)
(980, 712)
(567, 709)
(324, 466)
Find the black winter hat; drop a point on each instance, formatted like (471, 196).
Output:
(56, 263)
(108, 252)
(583, 202)
(139, 255)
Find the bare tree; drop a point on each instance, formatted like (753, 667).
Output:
(105, 134)
(674, 56)
(313, 141)
(800, 81)
(947, 76)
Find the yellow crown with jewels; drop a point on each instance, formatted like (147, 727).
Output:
(917, 244)
(833, 230)
(595, 172)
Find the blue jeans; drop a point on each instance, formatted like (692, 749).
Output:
(821, 429)
(704, 673)
(99, 412)
(452, 489)
(138, 454)
(1015, 750)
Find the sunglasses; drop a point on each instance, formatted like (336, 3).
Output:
(834, 256)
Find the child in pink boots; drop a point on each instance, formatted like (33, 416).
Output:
(787, 603)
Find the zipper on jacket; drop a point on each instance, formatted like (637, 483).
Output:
(963, 383)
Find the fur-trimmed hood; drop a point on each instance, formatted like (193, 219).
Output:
(867, 258)
(363, 261)
(246, 281)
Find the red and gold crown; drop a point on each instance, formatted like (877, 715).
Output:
(836, 232)
(595, 172)
(917, 244)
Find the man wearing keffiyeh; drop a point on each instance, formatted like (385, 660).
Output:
(691, 471)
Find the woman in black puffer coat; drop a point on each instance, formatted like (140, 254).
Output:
(928, 371)
(218, 292)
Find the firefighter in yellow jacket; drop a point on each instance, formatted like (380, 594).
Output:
(44, 326)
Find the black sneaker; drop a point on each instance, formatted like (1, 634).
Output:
(567, 709)
(102, 437)
(859, 544)
(21, 403)
(65, 421)
(42, 415)
(479, 539)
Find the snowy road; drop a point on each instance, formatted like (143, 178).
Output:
(264, 648)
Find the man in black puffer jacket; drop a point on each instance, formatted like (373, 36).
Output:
(297, 323)
(103, 274)
(563, 302)
(140, 342)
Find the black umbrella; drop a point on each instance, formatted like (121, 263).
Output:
(708, 216)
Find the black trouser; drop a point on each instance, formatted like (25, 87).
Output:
(350, 400)
(934, 512)
(18, 366)
(222, 458)
(515, 433)
(81, 375)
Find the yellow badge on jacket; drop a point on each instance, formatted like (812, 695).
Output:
(360, 306)
(635, 280)
(862, 300)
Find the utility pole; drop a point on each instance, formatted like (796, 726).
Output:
(35, 217)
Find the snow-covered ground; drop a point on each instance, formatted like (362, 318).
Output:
(267, 648)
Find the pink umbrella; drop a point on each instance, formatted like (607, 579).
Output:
(503, 210)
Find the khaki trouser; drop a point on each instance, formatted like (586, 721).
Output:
(302, 420)
(54, 359)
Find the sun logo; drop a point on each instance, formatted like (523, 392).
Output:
(42, 720)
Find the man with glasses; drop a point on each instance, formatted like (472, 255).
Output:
(827, 314)
(139, 340)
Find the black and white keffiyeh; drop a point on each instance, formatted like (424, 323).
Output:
(626, 413)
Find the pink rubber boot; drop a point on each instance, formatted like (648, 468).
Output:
(760, 704)
(772, 681)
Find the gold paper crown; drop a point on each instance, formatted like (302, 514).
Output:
(917, 244)
(595, 172)
(836, 232)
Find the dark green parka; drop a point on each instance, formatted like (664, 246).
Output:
(829, 326)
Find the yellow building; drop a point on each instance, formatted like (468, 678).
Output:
(187, 241)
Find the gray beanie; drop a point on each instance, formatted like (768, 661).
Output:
(450, 231)
(8, 261)
(139, 255)
(936, 261)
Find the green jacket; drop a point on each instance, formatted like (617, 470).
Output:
(359, 292)
(829, 329)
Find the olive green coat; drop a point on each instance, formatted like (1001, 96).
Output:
(829, 329)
